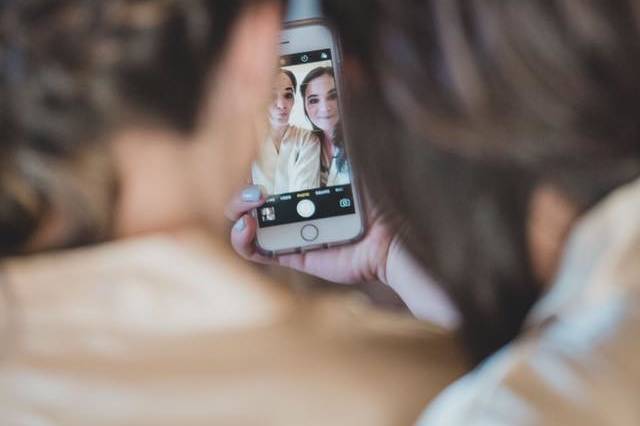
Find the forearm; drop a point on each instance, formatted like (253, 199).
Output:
(417, 289)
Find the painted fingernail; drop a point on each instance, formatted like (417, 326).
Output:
(240, 225)
(251, 194)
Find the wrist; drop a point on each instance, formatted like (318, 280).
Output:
(417, 288)
(384, 274)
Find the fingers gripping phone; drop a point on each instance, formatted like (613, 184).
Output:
(303, 165)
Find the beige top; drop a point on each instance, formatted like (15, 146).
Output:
(155, 332)
(293, 166)
(578, 362)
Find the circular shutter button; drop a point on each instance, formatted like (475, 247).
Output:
(306, 208)
(309, 233)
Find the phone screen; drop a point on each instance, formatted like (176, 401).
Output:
(303, 164)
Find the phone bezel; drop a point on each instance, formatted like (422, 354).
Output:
(302, 36)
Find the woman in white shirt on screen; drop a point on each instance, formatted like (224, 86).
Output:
(321, 108)
(289, 160)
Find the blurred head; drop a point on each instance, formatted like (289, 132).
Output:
(128, 116)
(284, 91)
(460, 111)
(320, 97)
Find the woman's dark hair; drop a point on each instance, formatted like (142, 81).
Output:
(338, 140)
(458, 109)
(292, 78)
(71, 70)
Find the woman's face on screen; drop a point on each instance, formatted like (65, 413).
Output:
(321, 103)
(283, 100)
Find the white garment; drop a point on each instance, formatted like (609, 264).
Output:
(294, 167)
(331, 172)
(339, 176)
(578, 361)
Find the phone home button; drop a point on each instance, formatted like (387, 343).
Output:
(309, 233)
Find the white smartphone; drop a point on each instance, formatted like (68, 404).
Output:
(303, 165)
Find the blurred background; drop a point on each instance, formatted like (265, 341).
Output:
(303, 9)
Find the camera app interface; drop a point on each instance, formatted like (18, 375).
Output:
(303, 164)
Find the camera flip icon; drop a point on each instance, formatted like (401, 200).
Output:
(345, 203)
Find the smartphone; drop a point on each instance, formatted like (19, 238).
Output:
(303, 164)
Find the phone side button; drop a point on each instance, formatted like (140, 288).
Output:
(309, 233)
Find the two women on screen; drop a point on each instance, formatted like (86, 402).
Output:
(288, 160)
(294, 159)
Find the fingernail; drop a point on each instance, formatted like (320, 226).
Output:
(251, 194)
(240, 225)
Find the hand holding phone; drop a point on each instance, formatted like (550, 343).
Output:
(303, 179)
(363, 261)
(379, 256)
(303, 165)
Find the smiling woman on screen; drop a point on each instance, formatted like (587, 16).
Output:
(321, 108)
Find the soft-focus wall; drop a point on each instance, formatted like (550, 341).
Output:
(303, 9)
